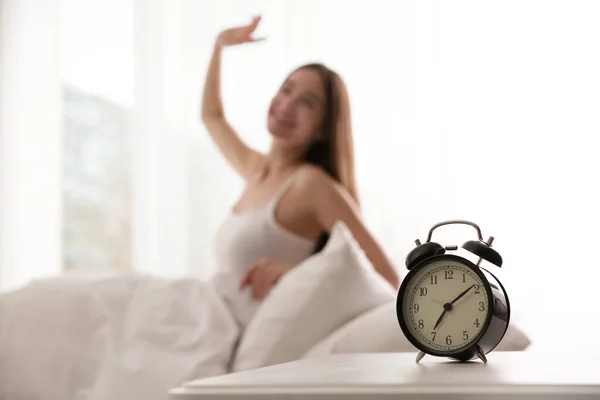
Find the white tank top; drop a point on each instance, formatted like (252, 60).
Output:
(245, 237)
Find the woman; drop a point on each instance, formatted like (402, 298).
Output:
(296, 192)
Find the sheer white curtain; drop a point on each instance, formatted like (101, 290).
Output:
(30, 141)
(160, 139)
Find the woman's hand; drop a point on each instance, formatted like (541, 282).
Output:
(239, 35)
(262, 275)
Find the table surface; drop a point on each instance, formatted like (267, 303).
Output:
(391, 375)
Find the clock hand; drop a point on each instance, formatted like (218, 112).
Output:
(461, 295)
(440, 318)
(448, 306)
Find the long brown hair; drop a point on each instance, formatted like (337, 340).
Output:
(334, 151)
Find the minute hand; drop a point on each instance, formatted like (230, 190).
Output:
(462, 294)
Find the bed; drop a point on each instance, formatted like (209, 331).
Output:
(137, 336)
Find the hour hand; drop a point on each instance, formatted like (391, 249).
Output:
(447, 307)
(440, 319)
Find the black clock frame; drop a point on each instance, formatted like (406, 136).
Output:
(495, 326)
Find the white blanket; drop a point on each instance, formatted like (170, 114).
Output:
(118, 338)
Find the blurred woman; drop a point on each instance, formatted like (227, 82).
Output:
(295, 193)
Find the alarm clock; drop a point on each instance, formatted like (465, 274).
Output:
(450, 306)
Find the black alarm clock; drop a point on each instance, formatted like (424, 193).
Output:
(449, 306)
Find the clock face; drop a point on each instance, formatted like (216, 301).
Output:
(445, 305)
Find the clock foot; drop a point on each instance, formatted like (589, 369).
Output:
(479, 353)
(420, 356)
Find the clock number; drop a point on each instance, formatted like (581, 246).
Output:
(433, 279)
(416, 308)
(448, 340)
(465, 335)
(448, 274)
(421, 326)
(423, 291)
(477, 290)
(433, 333)
(476, 323)
(481, 306)
(464, 278)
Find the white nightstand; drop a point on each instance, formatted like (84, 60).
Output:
(507, 375)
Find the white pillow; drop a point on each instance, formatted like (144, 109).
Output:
(317, 297)
(377, 331)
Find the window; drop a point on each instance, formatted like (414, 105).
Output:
(97, 72)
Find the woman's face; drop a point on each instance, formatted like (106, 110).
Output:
(297, 110)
